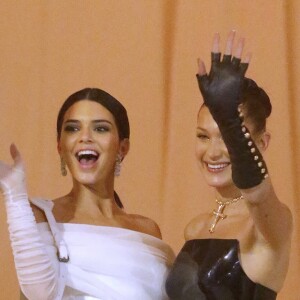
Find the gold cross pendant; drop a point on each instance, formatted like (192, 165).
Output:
(219, 215)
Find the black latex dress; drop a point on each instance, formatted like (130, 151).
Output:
(209, 269)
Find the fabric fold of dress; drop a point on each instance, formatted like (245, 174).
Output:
(210, 269)
(110, 263)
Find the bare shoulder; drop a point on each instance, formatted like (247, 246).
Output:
(39, 213)
(195, 227)
(146, 225)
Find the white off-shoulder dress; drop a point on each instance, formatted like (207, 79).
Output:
(97, 262)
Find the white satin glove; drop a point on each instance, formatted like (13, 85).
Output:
(37, 276)
(12, 178)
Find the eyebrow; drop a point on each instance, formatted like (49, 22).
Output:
(200, 128)
(93, 121)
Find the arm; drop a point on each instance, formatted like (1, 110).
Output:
(221, 93)
(36, 274)
(272, 218)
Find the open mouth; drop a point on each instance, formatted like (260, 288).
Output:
(87, 157)
(215, 168)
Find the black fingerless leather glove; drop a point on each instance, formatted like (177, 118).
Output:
(221, 91)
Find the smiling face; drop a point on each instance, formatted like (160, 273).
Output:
(89, 142)
(211, 152)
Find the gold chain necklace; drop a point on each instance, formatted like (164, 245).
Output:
(219, 213)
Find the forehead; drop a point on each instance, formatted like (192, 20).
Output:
(205, 120)
(86, 109)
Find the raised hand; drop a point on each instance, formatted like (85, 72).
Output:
(12, 177)
(221, 88)
(35, 270)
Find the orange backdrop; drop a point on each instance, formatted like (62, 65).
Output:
(144, 53)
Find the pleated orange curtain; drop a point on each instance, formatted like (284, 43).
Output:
(144, 53)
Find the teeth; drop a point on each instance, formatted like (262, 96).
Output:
(219, 166)
(87, 152)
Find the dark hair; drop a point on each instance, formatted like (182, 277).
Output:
(109, 102)
(118, 200)
(257, 104)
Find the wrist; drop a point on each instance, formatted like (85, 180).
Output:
(15, 193)
(248, 166)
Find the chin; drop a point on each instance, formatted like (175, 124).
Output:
(218, 180)
(86, 177)
(219, 184)
(85, 180)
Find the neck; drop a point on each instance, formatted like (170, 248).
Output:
(94, 200)
(225, 202)
(227, 193)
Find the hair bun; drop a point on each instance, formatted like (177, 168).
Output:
(252, 92)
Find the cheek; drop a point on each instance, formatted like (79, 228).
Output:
(200, 149)
(66, 146)
(224, 150)
(111, 143)
(66, 142)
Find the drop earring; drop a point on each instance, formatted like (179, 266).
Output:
(118, 165)
(63, 168)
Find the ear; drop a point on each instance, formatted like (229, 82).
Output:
(124, 147)
(58, 147)
(263, 140)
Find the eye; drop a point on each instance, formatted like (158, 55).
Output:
(102, 128)
(71, 128)
(202, 137)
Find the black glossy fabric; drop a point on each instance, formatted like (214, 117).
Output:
(209, 269)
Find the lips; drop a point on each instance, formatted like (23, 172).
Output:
(87, 157)
(216, 168)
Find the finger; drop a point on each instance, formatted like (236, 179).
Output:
(236, 62)
(216, 43)
(229, 43)
(203, 82)
(226, 58)
(215, 57)
(243, 68)
(215, 61)
(245, 63)
(247, 58)
(240, 47)
(16, 156)
(201, 67)
(3, 167)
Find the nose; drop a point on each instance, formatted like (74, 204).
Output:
(215, 149)
(86, 135)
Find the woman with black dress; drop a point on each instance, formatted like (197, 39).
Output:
(240, 249)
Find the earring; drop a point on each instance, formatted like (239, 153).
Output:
(63, 169)
(118, 165)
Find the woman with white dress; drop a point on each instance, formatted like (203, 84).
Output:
(84, 245)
